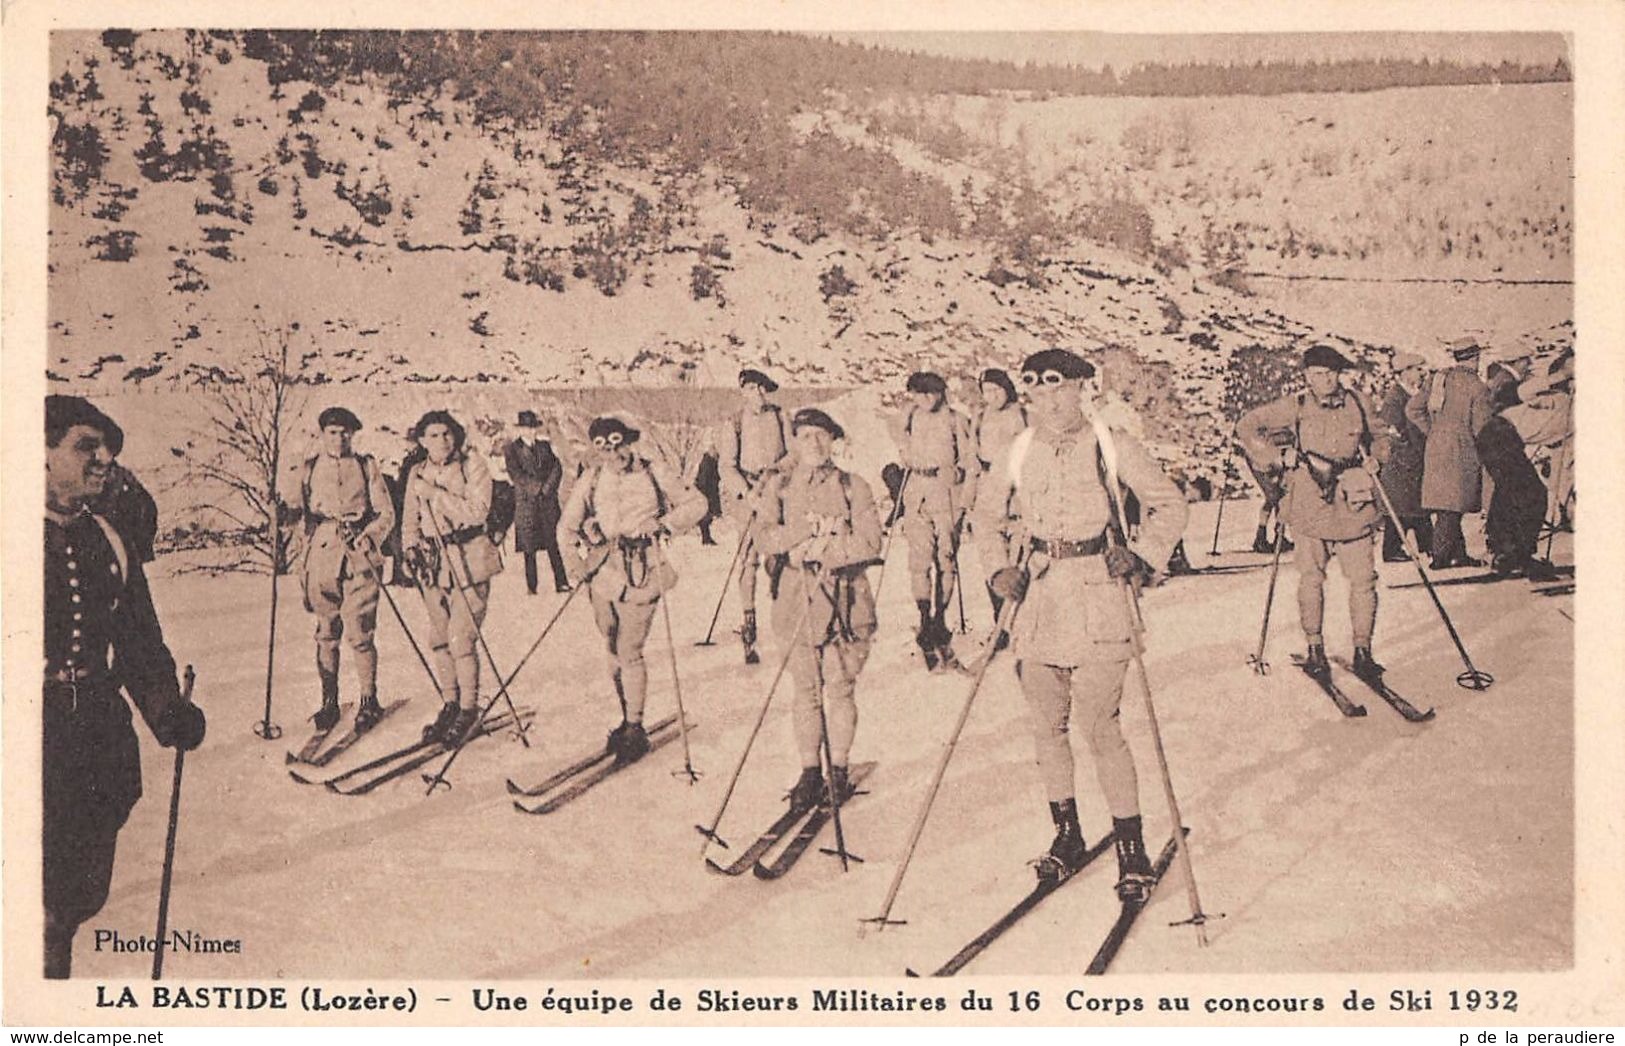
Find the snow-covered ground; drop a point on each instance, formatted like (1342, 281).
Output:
(1329, 844)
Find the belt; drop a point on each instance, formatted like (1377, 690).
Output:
(1059, 548)
(463, 535)
(633, 544)
(929, 473)
(78, 675)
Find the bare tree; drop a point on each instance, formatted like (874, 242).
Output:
(236, 471)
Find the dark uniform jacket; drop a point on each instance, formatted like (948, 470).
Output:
(101, 634)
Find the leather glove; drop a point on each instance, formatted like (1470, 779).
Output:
(1122, 563)
(181, 726)
(1010, 583)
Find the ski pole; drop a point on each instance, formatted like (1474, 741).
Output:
(479, 634)
(1006, 618)
(676, 683)
(895, 518)
(1261, 666)
(959, 590)
(375, 576)
(1473, 678)
(828, 756)
(710, 833)
(438, 778)
(733, 564)
(265, 729)
(1131, 602)
(1224, 489)
(188, 679)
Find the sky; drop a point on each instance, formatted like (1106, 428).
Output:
(1121, 50)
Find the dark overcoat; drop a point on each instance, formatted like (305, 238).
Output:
(1402, 471)
(535, 472)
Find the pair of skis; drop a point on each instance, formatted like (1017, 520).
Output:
(1115, 936)
(1373, 680)
(313, 754)
(800, 826)
(582, 776)
(391, 766)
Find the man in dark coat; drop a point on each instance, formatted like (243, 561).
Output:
(1517, 494)
(1450, 408)
(535, 472)
(1402, 469)
(101, 635)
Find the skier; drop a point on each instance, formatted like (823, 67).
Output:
(535, 472)
(347, 516)
(1331, 498)
(934, 452)
(627, 503)
(1402, 469)
(822, 522)
(1073, 638)
(999, 422)
(443, 533)
(98, 611)
(758, 442)
(1450, 408)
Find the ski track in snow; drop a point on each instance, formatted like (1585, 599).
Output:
(1329, 844)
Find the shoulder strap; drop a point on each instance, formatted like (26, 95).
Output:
(366, 480)
(120, 553)
(1106, 471)
(1018, 455)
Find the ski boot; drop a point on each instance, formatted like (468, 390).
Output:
(808, 791)
(1178, 562)
(943, 636)
(1134, 876)
(1262, 542)
(840, 783)
(467, 716)
(633, 744)
(747, 635)
(1366, 666)
(443, 722)
(1315, 662)
(1067, 851)
(367, 716)
(327, 717)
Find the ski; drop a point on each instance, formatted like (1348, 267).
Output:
(765, 842)
(348, 741)
(317, 739)
(421, 755)
(1132, 909)
(1549, 574)
(980, 944)
(1340, 699)
(1380, 687)
(821, 815)
(583, 783)
(580, 766)
(373, 764)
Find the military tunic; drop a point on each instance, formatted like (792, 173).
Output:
(341, 586)
(101, 634)
(824, 522)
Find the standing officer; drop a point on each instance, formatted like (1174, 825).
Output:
(98, 614)
(348, 516)
(934, 456)
(758, 444)
(626, 504)
(1073, 637)
(448, 498)
(535, 472)
(1451, 407)
(822, 521)
(1331, 498)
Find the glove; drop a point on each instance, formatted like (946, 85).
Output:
(181, 727)
(1010, 583)
(1122, 563)
(1289, 457)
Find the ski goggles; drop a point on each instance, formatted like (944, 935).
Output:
(608, 441)
(1034, 378)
